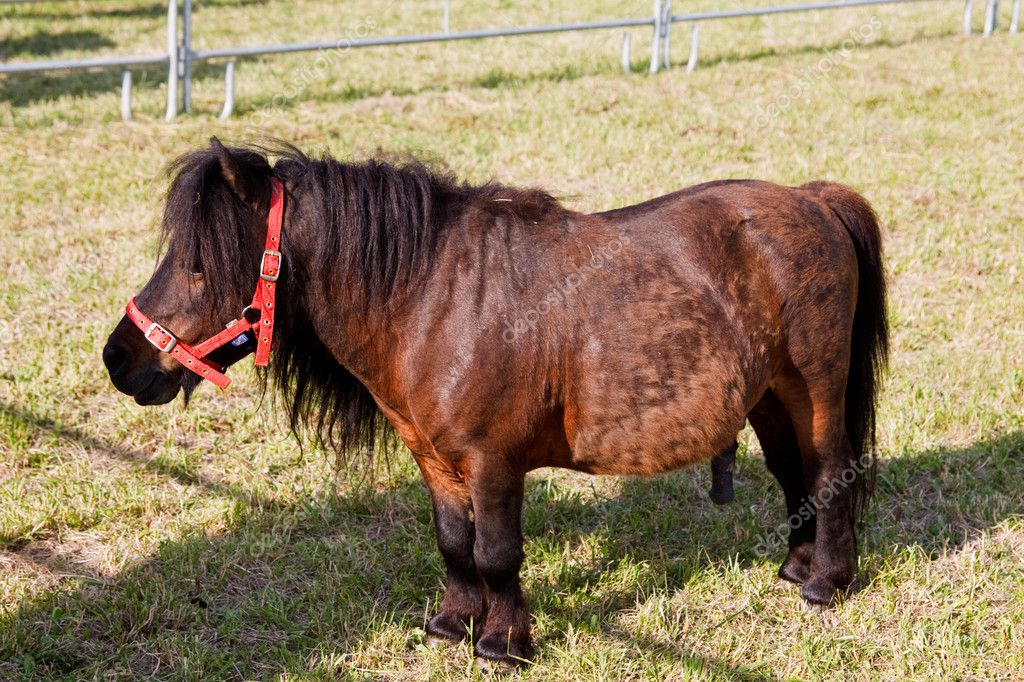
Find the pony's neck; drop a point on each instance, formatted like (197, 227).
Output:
(358, 262)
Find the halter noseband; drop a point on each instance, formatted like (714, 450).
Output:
(194, 357)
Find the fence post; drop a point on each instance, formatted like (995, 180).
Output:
(666, 28)
(655, 35)
(447, 7)
(627, 57)
(991, 16)
(691, 63)
(1015, 17)
(185, 59)
(172, 58)
(229, 91)
(126, 95)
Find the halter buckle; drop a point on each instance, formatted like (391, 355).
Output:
(172, 340)
(276, 271)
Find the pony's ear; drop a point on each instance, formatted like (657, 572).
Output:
(244, 181)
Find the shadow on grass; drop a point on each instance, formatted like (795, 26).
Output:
(292, 584)
(842, 49)
(42, 43)
(28, 11)
(21, 89)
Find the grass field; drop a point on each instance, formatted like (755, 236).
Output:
(201, 544)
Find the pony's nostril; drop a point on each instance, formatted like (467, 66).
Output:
(116, 357)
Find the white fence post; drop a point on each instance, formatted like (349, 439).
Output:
(229, 91)
(666, 29)
(172, 58)
(991, 16)
(691, 63)
(655, 35)
(126, 95)
(185, 58)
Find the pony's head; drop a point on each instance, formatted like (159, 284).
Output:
(213, 229)
(354, 234)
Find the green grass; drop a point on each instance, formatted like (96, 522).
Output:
(202, 544)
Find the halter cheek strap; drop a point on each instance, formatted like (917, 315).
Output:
(270, 272)
(194, 357)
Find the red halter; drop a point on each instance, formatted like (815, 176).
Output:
(193, 357)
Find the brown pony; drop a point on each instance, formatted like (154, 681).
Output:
(497, 332)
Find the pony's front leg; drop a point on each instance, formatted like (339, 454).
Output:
(462, 607)
(497, 493)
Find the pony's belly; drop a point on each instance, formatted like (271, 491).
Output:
(648, 413)
(657, 442)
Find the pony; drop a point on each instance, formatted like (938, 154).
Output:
(495, 331)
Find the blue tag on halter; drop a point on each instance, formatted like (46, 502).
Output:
(239, 340)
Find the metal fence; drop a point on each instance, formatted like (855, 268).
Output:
(170, 58)
(180, 57)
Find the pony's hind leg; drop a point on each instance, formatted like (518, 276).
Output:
(462, 607)
(774, 429)
(721, 475)
(830, 475)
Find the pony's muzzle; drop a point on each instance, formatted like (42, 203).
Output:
(117, 358)
(135, 370)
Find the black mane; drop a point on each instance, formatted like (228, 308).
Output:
(377, 221)
(382, 220)
(203, 218)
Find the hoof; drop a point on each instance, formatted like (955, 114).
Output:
(820, 593)
(722, 496)
(794, 570)
(444, 628)
(489, 667)
(435, 642)
(498, 653)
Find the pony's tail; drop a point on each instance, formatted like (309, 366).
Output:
(869, 344)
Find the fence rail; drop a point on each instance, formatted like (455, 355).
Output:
(180, 56)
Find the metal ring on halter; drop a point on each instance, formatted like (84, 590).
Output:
(245, 314)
